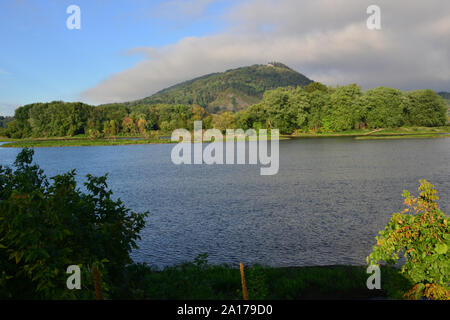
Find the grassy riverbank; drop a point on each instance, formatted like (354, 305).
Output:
(67, 142)
(409, 136)
(362, 134)
(83, 141)
(404, 131)
(200, 280)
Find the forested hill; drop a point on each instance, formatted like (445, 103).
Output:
(446, 96)
(234, 89)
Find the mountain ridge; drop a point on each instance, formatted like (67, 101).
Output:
(233, 89)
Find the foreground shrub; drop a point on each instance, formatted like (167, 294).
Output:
(421, 234)
(45, 226)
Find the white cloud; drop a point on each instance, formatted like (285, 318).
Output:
(439, 27)
(327, 40)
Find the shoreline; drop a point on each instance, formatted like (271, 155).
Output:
(364, 134)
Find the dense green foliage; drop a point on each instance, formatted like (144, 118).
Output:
(233, 89)
(425, 108)
(46, 226)
(381, 108)
(446, 96)
(60, 119)
(49, 119)
(200, 280)
(422, 234)
(276, 97)
(320, 109)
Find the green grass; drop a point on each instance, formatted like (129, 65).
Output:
(199, 280)
(413, 131)
(347, 133)
(79, 142)
(411, 136)
(362, 134)
(395, 133)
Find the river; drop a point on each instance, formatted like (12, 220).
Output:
(326, 204)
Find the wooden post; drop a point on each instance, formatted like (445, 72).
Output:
(97, 284)
(244, 287)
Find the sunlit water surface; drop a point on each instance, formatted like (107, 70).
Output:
(325, 206)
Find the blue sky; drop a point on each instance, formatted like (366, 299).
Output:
(128, 50)
(42, 60)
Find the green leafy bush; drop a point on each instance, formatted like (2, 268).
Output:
(421, 234)
(45, 226)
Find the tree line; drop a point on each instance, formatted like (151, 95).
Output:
(319, 108)
(315, 108)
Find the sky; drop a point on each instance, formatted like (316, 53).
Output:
(130, 49)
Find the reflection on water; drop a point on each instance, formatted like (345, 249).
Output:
(325, 206)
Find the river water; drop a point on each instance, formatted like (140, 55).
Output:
(326, 204)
